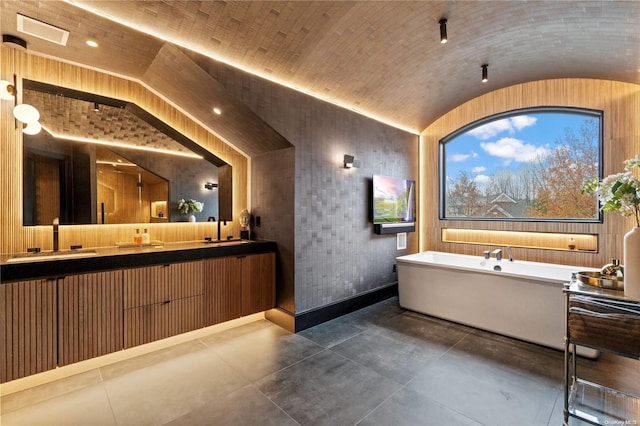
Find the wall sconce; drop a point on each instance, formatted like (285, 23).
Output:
(210, 186)
(485, 73)
(350, 161)
(443, 30)
(25, 113)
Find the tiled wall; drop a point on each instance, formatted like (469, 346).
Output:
(335, 253)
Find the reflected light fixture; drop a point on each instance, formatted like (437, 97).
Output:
(96, 107)
(443, 31)
(210, 186)
(485, 73)
(25, 113)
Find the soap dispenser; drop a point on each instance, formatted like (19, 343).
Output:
(137, 237)
(146, 239)
(613, 269)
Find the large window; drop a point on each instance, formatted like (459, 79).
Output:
(526, 165)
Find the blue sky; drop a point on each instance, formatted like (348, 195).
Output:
(507, 143)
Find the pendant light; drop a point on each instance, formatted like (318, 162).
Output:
(27, 114)
(485, 73)
(443, 30)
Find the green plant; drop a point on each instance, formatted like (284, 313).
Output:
(618, 192)
(189, 206)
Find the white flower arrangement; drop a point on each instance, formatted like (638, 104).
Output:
(190, 206)
(618, 192)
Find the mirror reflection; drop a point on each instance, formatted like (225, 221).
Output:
(100, 160)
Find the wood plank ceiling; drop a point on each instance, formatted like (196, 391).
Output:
(380, 58)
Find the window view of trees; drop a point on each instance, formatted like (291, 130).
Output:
(527, 165)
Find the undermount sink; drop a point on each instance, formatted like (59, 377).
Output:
(220, 243)
(51, 255)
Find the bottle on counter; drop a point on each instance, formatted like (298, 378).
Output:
(146, 239)
(137, 237)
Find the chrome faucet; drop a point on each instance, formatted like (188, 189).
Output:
(56, 244)
(510, 254)
(497, 253)
(219, 222)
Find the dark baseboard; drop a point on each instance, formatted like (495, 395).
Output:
(326, 313)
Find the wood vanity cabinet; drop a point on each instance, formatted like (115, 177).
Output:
(89, 316)
(27, 328)
(162, 301)
(238, 286)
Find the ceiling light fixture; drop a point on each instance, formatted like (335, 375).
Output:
(25, 113)
(485, 73)
(92, 43)
(96, 107)
(217, 111)
(443, 31)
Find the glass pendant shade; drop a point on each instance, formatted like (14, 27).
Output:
(6, 90)
(32, 128)
(26, 113)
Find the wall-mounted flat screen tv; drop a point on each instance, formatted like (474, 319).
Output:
(394, 200)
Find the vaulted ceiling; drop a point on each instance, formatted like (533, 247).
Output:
(380, 58)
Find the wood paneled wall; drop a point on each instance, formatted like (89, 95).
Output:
(16, 238)
(621, 105)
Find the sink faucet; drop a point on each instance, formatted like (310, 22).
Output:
(56, 244)
(497, 253)
(510, 254)
(219, 222)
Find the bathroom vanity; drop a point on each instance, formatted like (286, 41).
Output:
(61, 308)
(608, 321)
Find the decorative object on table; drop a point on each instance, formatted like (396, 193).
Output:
(245, 218)
(190, 207)
(620, 193)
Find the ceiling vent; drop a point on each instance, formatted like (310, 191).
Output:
(42, 30)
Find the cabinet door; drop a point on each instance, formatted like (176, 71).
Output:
(161, 301)
(258, 283)
(90, 316)
(27, 328)
(222, 289)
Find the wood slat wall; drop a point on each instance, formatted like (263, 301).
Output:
(621, 105)
(16, 238)
(89, 316)
(27, 328)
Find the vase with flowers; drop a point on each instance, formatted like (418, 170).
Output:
(620, 193)
(190, 207)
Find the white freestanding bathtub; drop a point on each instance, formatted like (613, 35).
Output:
(518, 299)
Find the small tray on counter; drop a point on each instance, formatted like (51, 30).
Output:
(153, 243)
(596, 279)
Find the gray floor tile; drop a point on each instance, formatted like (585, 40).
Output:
(167, 390)
(495, 381)
(402, 346)
(259, 349)
(409, 408)
(327, 389)
(245, 406)
(87, 406)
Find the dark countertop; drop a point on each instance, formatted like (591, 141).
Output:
(109, 258)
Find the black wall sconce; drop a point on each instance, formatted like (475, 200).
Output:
(210, 186)
(443, 30)
(350, 161)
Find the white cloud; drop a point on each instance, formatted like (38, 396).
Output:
(510, 125)
(511, 149)
(459, 158)
(479, 169)
(482, 179)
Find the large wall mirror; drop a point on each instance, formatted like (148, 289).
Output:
(523, 165)
(100, 160)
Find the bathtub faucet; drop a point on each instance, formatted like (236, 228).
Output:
(497, 253)
(510, 254)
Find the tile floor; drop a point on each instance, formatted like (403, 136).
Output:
(381, 365)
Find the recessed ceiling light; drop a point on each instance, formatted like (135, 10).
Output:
(217, 111)
(92, 43)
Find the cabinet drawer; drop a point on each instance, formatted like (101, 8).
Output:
(159, 320)
(161, 283)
